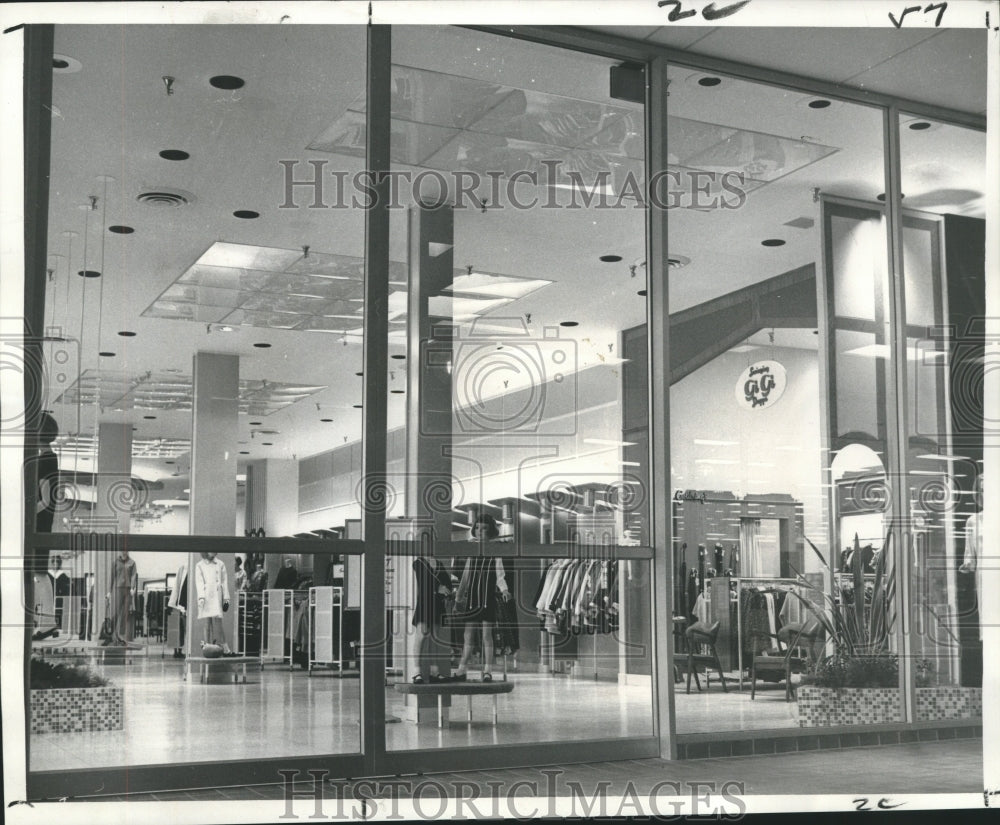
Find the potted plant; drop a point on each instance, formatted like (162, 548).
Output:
(858, 682)
(71, 698)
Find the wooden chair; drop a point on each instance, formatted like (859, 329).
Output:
(796, 637)
(701, 637)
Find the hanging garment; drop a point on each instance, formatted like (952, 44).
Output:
(431, 578)
(506, 639)
(211, 581)
(286, 578)
(124, 578)
(178, 596)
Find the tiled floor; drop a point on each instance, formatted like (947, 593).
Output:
(919, 768)
(287, 713)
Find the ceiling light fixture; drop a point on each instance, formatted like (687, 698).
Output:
(919, 126)
(641, 293)
(89, 273)
(709, 81)
(262, 345)
(610, 259)
(106, 354)
(819, 103)
(246, 214)
(772, 242)
(326, 420)
(64, 64)
(569, 323)
(126, 333)
(174, 154)
(881, 196)
(149, 417)
(121, 230)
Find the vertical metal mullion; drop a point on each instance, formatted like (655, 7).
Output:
(658, 344)
(37, 136)
(896, 411)
(376, 331)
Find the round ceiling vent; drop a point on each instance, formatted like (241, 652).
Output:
(164, 198)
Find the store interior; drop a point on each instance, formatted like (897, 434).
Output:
(184, 272)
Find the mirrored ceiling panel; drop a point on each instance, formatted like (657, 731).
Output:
(168, 391)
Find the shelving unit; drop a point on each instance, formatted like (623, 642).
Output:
(326, 622)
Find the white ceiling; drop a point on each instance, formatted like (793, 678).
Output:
(943, 67)
(113, 117)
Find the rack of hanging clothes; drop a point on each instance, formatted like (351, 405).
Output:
(575, 598)
(763, 606)
(154, 607)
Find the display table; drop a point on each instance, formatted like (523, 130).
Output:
(235, 663)
(468, 689)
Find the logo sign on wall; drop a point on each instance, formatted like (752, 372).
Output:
(760, 385)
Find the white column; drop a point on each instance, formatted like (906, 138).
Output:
(112, 506)
(215, 410)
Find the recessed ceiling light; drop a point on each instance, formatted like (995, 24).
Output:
(106, 354)
(244, 452)
(121, 230)
(262, 345)
(819, 103)
(64, 64)
(256, 423)
(397, 392)
(227, 81)
(709, 81)
(174, 154)
(246, 214)
(398, 357)
(772, 242)
(126, 333)
(357, 406)
(267, 443)
(169, 462)
(919, 125)
(149, 417)
(359, 374)
(610, 259)
(89, 273)
(326, 420)
(569, 323)
(641, 292)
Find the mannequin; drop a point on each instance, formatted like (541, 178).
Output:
(212, 586)
(242, 582)
(121, 597)
(476, 600)
(60, 587)
(36, 581)
(971, 560)
(426, 649)
(287, 576)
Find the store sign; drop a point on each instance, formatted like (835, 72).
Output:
(760, 385)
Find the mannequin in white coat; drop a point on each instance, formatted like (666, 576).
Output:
(212, 585)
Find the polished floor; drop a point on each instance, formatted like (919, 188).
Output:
(288, 713)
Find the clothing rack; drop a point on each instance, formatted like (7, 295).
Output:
(326, 624)
(277, 625)
(757, 583)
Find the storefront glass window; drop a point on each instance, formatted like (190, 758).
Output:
(778, 347)
(943, 169)
(203, 324)
(517, 389)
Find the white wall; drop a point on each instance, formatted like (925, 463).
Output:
(777, 448)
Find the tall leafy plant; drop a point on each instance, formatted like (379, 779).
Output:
(860, 638)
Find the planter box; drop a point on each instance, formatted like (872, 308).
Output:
(827, 707)
(76, 710)
(949, 703)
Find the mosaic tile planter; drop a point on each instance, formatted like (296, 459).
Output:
(76, 710)
(949, 703)
(826, 707)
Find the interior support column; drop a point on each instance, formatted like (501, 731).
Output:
(215, 410)
(112, 506)
(429, 404)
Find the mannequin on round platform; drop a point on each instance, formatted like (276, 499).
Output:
(212, 586)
